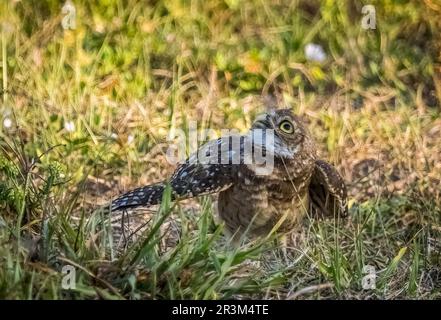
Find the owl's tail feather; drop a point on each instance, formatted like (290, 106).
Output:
(191, 179)
(144, 196)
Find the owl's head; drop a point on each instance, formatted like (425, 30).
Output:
(289, 131)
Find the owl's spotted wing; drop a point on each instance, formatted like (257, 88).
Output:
(210, 170)
(327, 191)
(144, 196)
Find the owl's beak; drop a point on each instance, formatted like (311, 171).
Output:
(262, 122)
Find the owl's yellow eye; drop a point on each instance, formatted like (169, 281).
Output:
(286, 126)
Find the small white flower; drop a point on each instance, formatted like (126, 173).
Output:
(114, 135)
(315, 52)
(7, 123)
(170, 37)
(130, 139)
(69, 126)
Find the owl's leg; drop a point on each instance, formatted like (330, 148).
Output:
(284, 246)
(235, 238)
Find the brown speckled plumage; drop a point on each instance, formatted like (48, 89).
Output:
(248, 200)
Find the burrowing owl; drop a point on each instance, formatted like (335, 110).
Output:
(251, 198)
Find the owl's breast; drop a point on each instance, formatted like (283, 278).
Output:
(257, 203)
